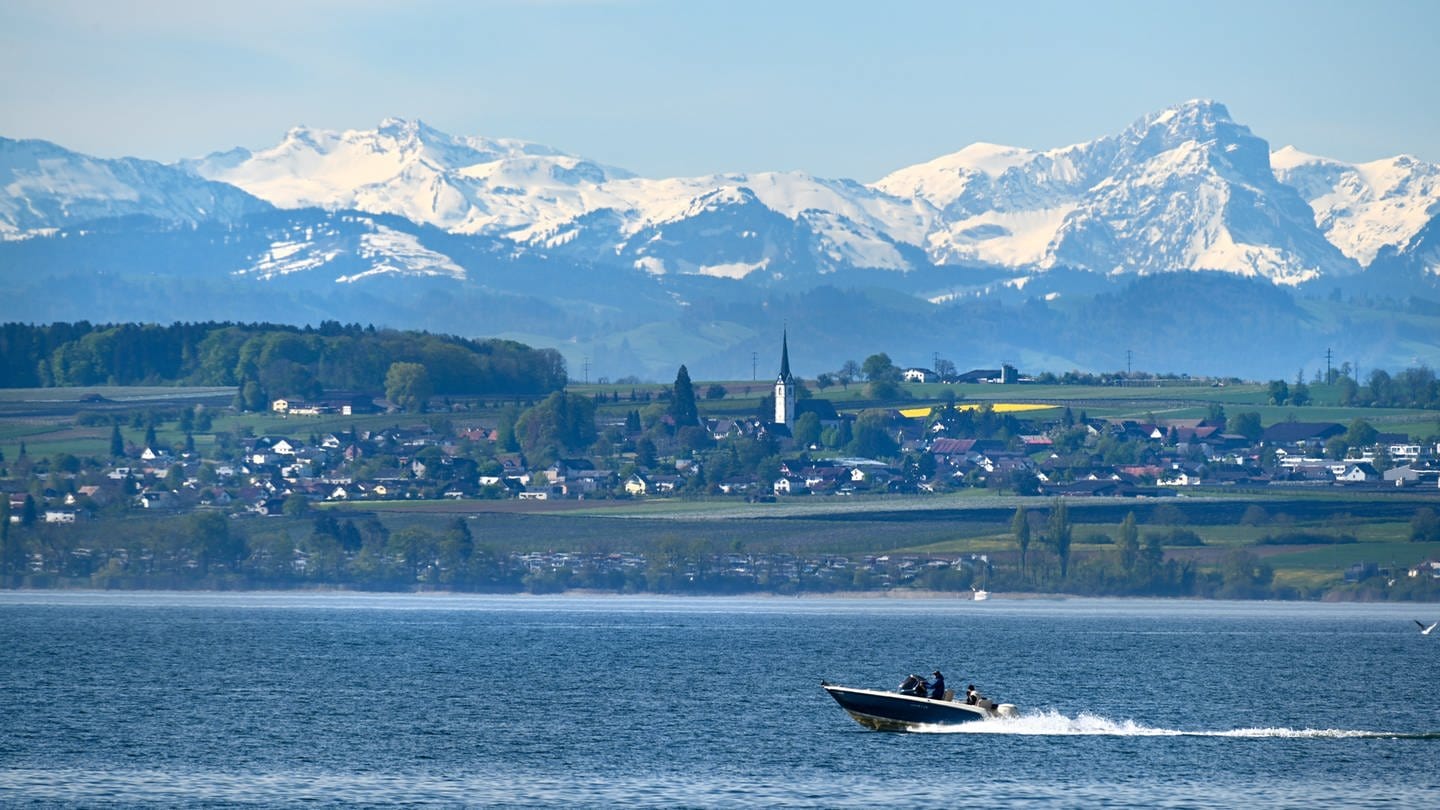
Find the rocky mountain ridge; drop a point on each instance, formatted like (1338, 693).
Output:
(1186, 188)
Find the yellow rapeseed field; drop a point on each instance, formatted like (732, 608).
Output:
(999, 407)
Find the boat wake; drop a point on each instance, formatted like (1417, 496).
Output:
(1052, 723)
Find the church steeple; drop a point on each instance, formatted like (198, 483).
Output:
(785, 385)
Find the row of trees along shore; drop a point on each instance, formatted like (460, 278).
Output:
(263, 359)
(328, 549)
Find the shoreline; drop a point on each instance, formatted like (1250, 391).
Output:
(585, 594)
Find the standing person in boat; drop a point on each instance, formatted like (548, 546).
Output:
(937, 686)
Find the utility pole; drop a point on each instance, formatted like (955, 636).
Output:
(753, 356)
(587, 369)
(1128, 357)
(1328, 379)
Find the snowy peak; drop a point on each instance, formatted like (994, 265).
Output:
(328, 168)
(1188, 188)
(947, 179)
(48, 187)
(344, 249)
(1184, 188)
(1183, 122)
(1362, 208)
(460, 183)
(1199, 129)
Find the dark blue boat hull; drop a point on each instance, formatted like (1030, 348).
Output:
(892, 711)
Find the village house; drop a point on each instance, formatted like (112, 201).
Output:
(1307, 436)
(637, 484)
(1357, 473)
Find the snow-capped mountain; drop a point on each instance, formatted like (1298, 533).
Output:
(734, 224)
(1183, 189)
(347, 247)
(1363, 207)
(407, 168)
(1186, 188)
(545, 200)
(48, 187)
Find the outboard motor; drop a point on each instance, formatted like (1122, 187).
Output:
(1007, 710)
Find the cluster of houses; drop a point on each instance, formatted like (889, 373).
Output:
(415, 462)
(343, 405)
(839, 571)
(1189, 453)
(265, 473)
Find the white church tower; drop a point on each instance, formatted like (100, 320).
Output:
(785, 386)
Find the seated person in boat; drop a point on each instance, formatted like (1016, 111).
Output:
(971, 696)
(914, 685)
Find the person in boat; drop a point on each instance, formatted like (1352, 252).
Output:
(914, 685)
(937, 686)
(971, 696)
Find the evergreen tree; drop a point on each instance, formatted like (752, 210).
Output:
(682, 401)
(117, 442)
(646, 454)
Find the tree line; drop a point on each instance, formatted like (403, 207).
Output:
(273, 359)
(1415, 387)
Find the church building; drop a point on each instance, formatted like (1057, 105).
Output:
(785, 386)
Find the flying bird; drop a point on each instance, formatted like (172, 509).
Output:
(1425, 631)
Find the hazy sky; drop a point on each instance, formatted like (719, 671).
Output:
(836, 89)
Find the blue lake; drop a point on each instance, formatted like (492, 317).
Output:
(327, 699)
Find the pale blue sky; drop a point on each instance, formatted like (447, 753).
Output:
(836, 89)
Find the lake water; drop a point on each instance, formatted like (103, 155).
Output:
(318, 699)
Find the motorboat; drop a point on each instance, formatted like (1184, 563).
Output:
(888, 710)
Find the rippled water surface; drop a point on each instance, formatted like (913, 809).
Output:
(278, 700)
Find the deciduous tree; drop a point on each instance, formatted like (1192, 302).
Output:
(408, 386)
(1128, 547)
(561, 423)
(1059, 534)
(1248, 425)
(1020, 527)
